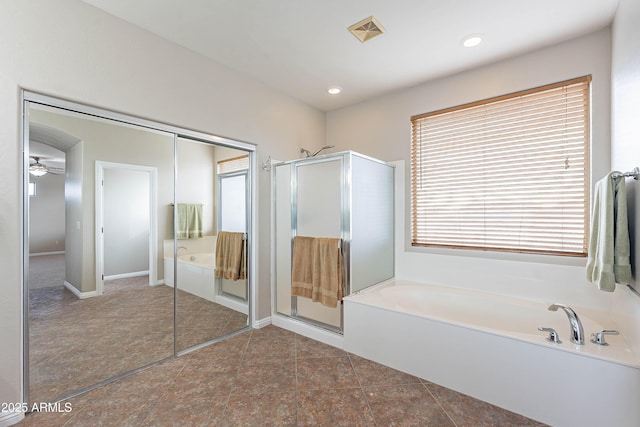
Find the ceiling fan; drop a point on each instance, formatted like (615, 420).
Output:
(37, 169)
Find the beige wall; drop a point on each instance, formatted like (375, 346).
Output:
(71, 50)
(74, 242)
(381, 128)
(108, 141)
(46, 214)
(197, 179)
(625, 109)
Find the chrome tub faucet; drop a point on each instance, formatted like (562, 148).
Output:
(577, 333)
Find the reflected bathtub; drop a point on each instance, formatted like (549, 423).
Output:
(206, 260)
(196, 274)
(488, 346)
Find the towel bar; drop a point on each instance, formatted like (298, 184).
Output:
(635, 173)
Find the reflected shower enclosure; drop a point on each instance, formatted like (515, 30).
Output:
(206, 198)
(119, 269)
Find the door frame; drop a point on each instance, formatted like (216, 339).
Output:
(101, 166)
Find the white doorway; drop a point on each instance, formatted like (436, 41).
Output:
(126, 222)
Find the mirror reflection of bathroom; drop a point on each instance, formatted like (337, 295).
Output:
(211, 231)
(101, 300)
(94, 310)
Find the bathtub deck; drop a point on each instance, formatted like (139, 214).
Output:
(552, 385)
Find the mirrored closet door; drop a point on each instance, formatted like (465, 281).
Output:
(211, 297)
(118, 211)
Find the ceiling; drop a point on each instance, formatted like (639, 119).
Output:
(48, 145)
(302, 47)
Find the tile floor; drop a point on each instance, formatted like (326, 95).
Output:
(75, 343)
(273, 377)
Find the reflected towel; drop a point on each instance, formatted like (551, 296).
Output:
(189, 221)
(316, 270)
(608, 261)
(231, 256)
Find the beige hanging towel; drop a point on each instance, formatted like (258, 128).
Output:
(316, 270)
(231, 256)
(302, 267)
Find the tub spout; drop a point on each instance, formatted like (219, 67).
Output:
(577, 333)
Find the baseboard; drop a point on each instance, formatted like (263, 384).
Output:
(159, 282)
(76, 292)
(309, 331)
(232, 304)
(10, 418)
(47, 253)
(257, 324)
(127, 275)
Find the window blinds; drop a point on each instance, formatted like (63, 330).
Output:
(233, 165)
(509, 173)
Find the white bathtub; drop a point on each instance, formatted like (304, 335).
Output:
(196, 274)
(488, 346)
(206, 260)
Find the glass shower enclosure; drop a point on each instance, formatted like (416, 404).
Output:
(344, 195)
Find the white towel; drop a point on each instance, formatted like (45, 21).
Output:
(608, 260)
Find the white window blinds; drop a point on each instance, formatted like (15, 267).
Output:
(233, 165)
(510, 173)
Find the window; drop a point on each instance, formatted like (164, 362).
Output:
(233, 165)
(232, 200)
(509, 173)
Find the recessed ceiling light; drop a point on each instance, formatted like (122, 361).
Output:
(472, 40)
(334, 90)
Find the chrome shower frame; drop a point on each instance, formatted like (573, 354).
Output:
(346, 167)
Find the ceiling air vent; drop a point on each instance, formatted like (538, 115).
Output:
(366, 29)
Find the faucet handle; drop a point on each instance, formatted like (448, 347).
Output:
(553, 335)
(598, 338)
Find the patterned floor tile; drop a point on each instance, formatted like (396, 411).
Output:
(325, 373)
(466, 411)
(332, 408)
(406, 405)
(273, 377)
(271, 409)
